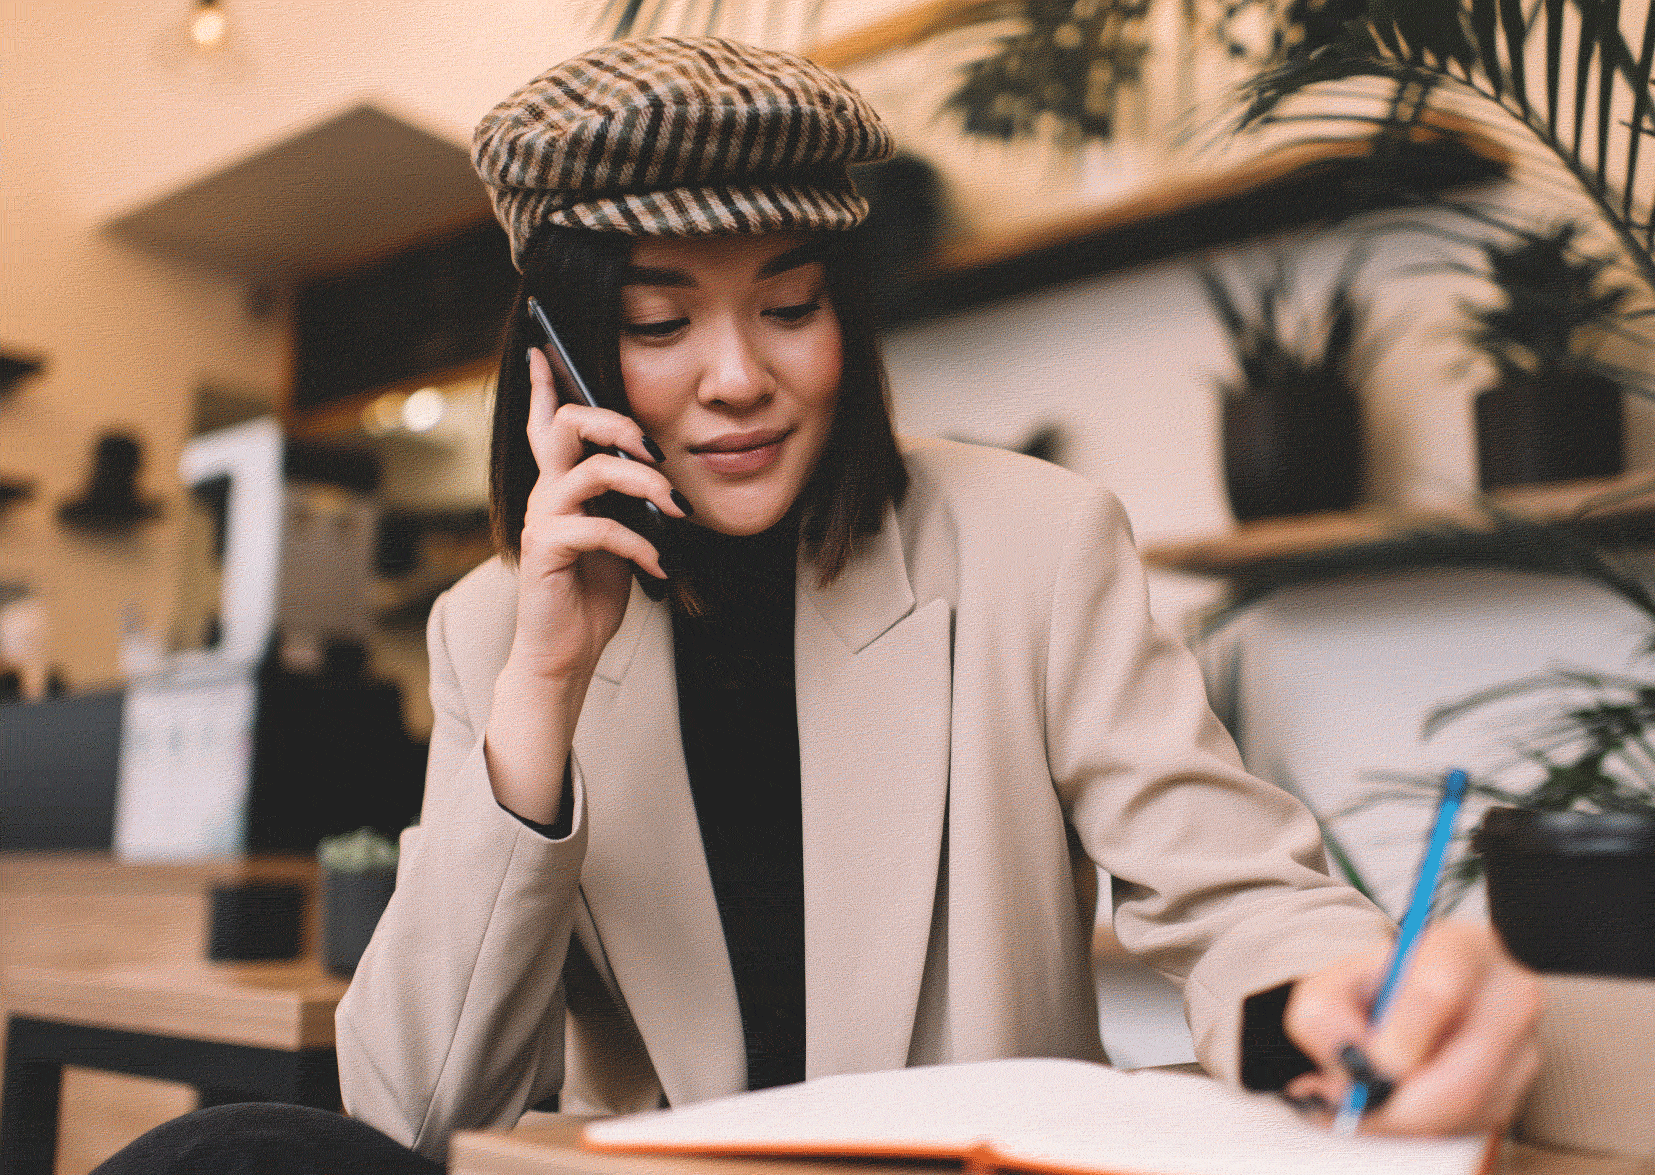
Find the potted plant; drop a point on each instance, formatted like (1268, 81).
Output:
(358, 876)
(1554, 413)
(1066, 62)
(1569, 859)
(1561, 72)
(1291, 421)
(1584, 754)
(1568, 847)
(1070, 63)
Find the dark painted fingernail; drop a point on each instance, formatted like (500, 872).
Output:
(654, 450)
(1356, 1063)
(1313, 1103)
(682, 502)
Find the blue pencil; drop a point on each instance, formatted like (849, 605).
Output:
(1413, 924)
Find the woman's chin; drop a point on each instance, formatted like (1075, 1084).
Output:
(738, 529)
(740, 519)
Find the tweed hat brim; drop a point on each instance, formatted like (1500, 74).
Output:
(830, 202)
(678, 136)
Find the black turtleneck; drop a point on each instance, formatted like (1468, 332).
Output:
(739, 720)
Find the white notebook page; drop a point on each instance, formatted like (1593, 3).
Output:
(1068, 1114)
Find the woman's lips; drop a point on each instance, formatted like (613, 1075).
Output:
(749, 459)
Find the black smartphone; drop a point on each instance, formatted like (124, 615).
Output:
(639, 514)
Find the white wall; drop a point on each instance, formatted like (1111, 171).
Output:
(1336, 678)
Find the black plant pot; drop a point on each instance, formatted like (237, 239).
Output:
(1572, 892)
(254, 920)
(1549, 429)
(1292, 451)
(351, 905)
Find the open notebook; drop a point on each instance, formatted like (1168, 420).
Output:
(1047, 1116)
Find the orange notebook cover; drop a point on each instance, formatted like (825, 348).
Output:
(1045, 1117)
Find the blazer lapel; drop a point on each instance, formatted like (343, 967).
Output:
(874, 682)
(645, 875)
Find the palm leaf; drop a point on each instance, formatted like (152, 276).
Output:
(1484, 18)
(1610, 22)
(634, 18)
(1482, 47)
(1336, 851)
(1546, 681)
(1517, 31)
(1643, 96)
(1223, 304)
(1554, 60)
(1346, 864)
(1585, 48)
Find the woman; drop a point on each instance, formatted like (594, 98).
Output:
(814, 805)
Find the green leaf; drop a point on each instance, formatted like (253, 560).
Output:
(1610, 31)
(1346, 864)
(1642, 98)
(627, 21)
(357, 852)
(1516, 31)
(1480, 47)
(1485, 20)
(1335, 848)
(1554, 59)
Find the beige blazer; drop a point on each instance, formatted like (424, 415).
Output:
(979, 690)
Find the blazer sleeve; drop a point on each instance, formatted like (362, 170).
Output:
(454, 1019)
(1219, 879)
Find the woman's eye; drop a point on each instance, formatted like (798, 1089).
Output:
(655, 330)
(797, 313)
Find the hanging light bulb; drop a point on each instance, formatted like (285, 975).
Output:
(423, 410)
(208, 24)
(201, 39)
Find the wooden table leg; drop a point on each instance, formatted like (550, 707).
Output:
(37, 1050)
(29, 1112)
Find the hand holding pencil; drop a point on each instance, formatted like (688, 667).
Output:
(1436, 1036)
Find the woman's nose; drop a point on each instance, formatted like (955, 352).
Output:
(734, 372)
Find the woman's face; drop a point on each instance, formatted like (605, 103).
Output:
(731, 356)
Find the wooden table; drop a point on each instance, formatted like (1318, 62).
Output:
(105, 969)
(547, 1144)
(236, 1032)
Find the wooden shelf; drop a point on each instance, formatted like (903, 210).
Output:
(1285, 189)
(1252, 547)
(1282, 189)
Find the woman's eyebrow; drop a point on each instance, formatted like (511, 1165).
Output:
(648, 275)
(792, 259)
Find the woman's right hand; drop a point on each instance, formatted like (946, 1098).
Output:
(573, 575)
(573, 581)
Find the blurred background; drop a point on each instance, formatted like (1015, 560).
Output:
(282, 220)
(1309, 284)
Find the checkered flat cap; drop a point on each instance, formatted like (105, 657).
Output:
(678, 137)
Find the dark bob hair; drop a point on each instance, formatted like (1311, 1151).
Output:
(576, 276)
